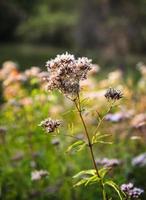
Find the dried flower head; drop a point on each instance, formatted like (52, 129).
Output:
(66, 72)
(50, 125)
(113, 94)
(38, 174)
(131, 191)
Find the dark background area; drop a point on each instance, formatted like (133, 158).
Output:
(109, 31)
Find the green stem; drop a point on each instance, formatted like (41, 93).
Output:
(78, 107)
(104, 194)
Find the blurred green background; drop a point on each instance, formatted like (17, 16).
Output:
(111, 32)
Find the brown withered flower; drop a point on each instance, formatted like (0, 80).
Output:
(50, 125)
(113, 94)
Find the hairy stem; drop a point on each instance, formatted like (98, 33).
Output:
(78, 107)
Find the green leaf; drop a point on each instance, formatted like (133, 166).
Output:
(115, 187)
(71, 128)
(103, 142)
(81, 147)
(81, 182)
(103, 136)
(103, 172)
(77, 146)
(96, 138)
(87, 177)
(92, 180)
(85, 172)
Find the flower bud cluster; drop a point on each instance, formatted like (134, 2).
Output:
(50, 125)
(66, 72)
(113, 94)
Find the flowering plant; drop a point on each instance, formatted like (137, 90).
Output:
(65, 74)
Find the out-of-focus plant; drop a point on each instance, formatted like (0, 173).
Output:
(48, 24)
(65, 74)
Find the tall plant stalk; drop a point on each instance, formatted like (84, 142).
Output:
(77, 103)
(65, 74)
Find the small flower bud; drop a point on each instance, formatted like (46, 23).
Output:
(50, 125)
(113, 94)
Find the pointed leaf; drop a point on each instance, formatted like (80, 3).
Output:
(104, 136)
(81, 147)
(85, 172)
(76, 146)
(81, 182)
(103, 172)
(96, 138)
(104, 142)
(92, 180)
(115, 187)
